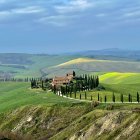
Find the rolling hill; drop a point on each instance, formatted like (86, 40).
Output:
(40, 115)
(88, 65)
(38, 65)
(120, 78)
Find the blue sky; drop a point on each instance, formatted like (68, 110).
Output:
(52, 26)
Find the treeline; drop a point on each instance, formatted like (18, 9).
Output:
(15, 79)
(80, 83)
(41, 83)
(130, 98)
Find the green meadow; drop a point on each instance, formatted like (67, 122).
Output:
(14, 95)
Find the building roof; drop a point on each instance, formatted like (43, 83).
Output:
(60, 78)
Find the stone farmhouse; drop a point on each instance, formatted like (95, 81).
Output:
(59, 81)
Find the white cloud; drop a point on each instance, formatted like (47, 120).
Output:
(132, 14)
(28, 10)
(73, 6)
(59, 20)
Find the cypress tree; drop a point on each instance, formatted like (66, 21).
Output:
(138, 98)
(105, 99)
(113, 97)
(74, 74)
(129, 98)
(98, 97)
(97, 81)
(122, 98)
(54, 89)
(91, 97)
(66, 90)
(80, 96)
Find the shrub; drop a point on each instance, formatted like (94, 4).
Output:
(109, 107)
(94, 104)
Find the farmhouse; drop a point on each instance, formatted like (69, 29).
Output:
(58, 81)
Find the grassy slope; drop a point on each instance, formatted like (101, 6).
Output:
(121, 82)
(86, 65)
(36, 65)
(120, 78)
(81, 121)
(14, 95)
(47, 116)
(50, 65)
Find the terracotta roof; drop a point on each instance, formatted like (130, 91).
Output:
(60, 78)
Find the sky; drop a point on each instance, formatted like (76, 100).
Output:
(56, 26)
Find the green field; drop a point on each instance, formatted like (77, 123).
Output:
(42, 114)
(33, 65)
(14, 95)
(36, 114)
(120, 78)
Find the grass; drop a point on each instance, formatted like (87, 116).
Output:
(76, 61)
(14, 95)
(120, 78)
(102, 94)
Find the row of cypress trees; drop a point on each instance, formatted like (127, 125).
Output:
(121, 98)
(81, 83)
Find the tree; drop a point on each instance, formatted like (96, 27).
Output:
(80, 96)
(97, 81)
(105, 99)
(138, 98)
(98, 97)
(113, 97)
(129, 98)
(91, 97)
(54, 89)
(122, 98)
(74, 74)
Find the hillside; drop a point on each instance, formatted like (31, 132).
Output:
(40, 115)
(28, 65)
(88, 65)
(72, 123)
(37, 65)
(120, 78)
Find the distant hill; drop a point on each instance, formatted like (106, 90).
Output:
(37, 65)
(86, 65)
(111, 54)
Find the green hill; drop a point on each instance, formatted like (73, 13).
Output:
(87, 65)
(120, 78)
(29, 65)
(37, 114)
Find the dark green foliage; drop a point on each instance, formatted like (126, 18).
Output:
(138, 98)
(74, 74)
(91, 98)
(129, 98)
(113, 98)
(121, 98)
(98, 97)
(105, 99)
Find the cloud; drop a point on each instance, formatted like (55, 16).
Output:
(74, 6)
(70, 12)
(59, 20)
(28, 10)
